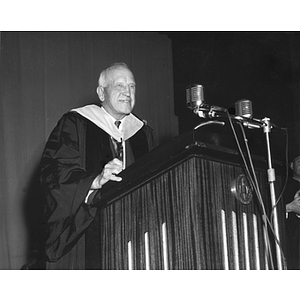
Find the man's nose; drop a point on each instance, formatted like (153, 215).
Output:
(126, 90)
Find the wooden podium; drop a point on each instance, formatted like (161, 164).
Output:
(184, 206)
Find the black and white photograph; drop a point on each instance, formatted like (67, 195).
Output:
(150, 150)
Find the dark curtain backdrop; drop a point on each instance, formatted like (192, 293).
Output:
(45, 74)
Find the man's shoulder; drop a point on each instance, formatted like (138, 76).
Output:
(75, 116)
(71, 118)
(73, 121)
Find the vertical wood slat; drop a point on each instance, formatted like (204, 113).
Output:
(165, 246)
(130, 259)
(224, 240)
(186, 218)
(246, 244)
(256, 244)
(147, 257)
(235, 242)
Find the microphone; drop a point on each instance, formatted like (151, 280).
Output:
(194, 97)
(195, 101)
(243, 108)
(244, 113)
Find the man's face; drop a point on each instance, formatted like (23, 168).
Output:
(296, 166)
(119, 94)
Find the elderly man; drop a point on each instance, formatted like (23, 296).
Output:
(292, 199)
(89, 147)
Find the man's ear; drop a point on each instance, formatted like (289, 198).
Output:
(100, 92)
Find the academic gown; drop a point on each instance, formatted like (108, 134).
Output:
(75, 153)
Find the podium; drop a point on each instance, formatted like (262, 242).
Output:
(186, 205)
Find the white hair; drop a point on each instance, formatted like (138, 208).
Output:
(104, 75)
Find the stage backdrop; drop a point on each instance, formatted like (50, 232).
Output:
(45, 74)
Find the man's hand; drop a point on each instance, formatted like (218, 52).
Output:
(294, 206)
(109, 172)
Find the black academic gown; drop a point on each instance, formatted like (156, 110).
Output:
(74, 155)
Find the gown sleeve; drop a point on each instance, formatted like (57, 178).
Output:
(66, 184)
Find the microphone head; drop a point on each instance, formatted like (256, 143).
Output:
(243, 108)
(194, 96)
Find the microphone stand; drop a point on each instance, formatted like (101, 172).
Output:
(271, 179)
(267, 125)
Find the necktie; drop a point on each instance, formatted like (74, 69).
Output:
(118, 145)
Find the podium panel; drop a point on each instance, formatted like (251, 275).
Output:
(185, 219)
(176, 210)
